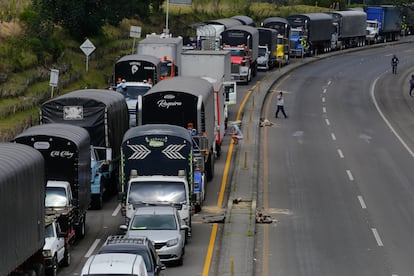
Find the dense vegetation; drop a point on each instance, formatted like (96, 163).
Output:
(38, 35)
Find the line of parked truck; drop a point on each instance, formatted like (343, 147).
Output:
(153, 137)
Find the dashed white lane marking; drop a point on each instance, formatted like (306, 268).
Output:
(377, 237)
(92, 248)
(327, 122)
(329, 82)
(348, 172)
(362, 202)
(324, 109)
(340, 153)
(116, 211)
(323, 99)
(324, 90)
(333, 136)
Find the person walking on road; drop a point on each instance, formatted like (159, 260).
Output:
(280, 105)
(411, 85)
(394, 63)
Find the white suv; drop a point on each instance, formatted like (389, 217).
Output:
(115, 264)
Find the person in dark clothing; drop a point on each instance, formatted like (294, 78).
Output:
(394, 63)
(280, 105)
(411, 85)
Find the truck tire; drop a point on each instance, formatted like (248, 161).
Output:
(210, 166)
(81, 229)
(66, 257)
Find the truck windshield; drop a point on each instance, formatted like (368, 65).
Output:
(154, 222)
(166, 67)
(133, 91)
(55, 197)
(152, 192)
(237, 53)
(262, 51)
(296, 33)
(49, 231)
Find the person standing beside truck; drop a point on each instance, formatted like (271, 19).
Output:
(411, 85)
(394, 63)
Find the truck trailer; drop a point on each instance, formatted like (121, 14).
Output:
(350, 28)
(22, 209)
(167, 49)
(243, 42)
(184, 101)
(104, 114)
(282, 26)
(66, 151)
(317, 30)
(217, 70)
(134, 75)
(267, 48)
(383, 23)
(157, 168)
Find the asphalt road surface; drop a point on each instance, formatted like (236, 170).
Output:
(337, 175)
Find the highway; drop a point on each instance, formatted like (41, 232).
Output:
(337, 174)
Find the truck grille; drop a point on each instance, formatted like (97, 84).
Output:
(235, 68)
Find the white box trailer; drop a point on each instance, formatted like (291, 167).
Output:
(215, 67)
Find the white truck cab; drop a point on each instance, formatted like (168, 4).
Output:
(55, 251)
(115, 264)
(58, 194)
(263, 59)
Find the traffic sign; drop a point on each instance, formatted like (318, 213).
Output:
(87, 47)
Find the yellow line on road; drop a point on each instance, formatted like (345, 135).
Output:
(213, 234)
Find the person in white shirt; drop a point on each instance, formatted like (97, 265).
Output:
(280, 105)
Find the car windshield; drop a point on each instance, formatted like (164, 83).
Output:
(49, 231)
(133, 91)
(154, 222)
(131, 250)
(152, 192)
(55, 197)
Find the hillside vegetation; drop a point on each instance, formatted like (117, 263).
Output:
(25, 71)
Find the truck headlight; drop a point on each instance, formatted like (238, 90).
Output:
(47, 253)
(172, 242)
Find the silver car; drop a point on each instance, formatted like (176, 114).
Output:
(162, 225)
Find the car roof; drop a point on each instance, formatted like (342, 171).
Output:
(115, 263)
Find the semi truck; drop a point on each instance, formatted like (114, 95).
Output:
(350, 28)
(243, 42)
(134, 75)
(282, 26)
(267, 48)
(167, 49)
(316, 34)
(184, 101)
(66, 151)
(216, 69)
(383, 23)
(104, 114)
(22, 209)
(157, 168)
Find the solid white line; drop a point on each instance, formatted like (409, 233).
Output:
(323, 99)
(362, 202)
(333, 136)
(116, 211)
(348, 172)
(324, 109)
(92, 248)
(340, 153)
(377, 237)
(386, 121)
(327, 122)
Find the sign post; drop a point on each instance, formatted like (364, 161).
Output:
(54, 79)
(134, 32)
(87, 48)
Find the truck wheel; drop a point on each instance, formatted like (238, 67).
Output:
(52, 271)
(66, 257)
(210, 167)
(81, 229)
